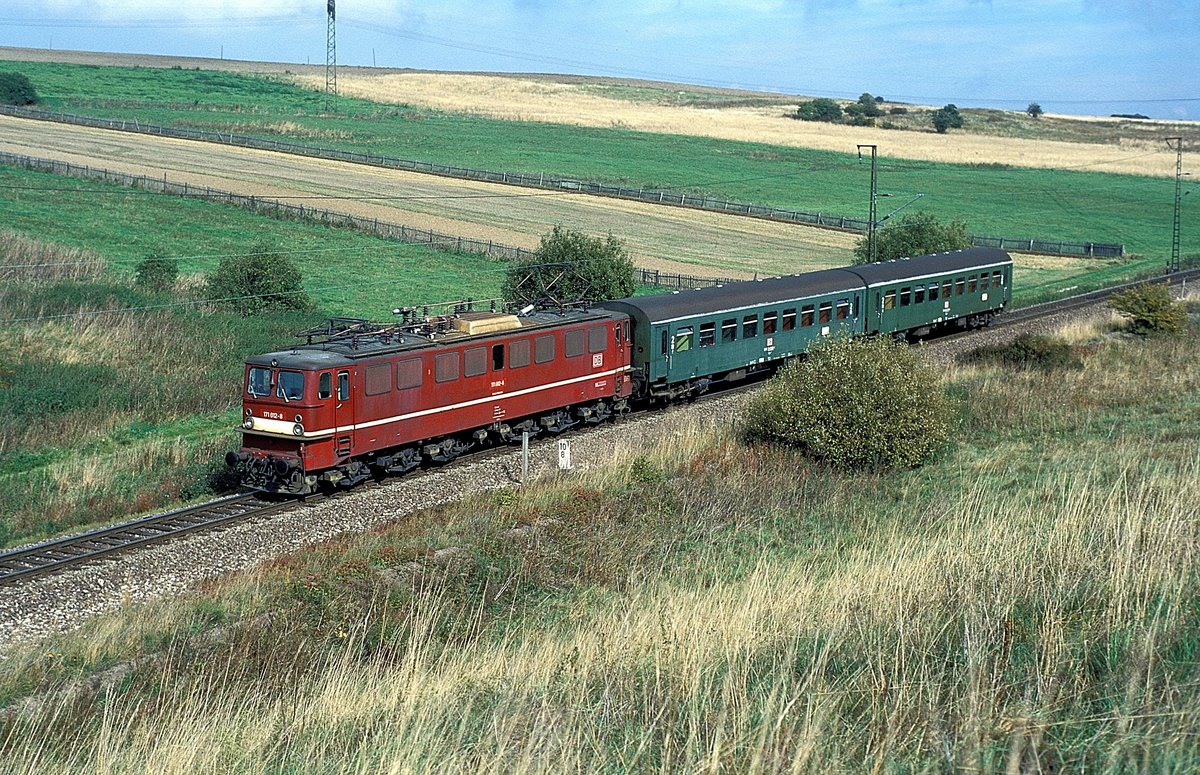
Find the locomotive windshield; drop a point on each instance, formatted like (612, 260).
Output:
(291, 385)
(259, 382)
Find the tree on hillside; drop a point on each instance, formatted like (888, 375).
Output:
(157, 273)
(570, 267)
(821, 109)
(15, 89)
(917, 234)
(866, 109)
(947, 118)
(1150, 309)
(258, 281)
(1034, 110)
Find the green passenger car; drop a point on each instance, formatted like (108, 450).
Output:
(685, 341)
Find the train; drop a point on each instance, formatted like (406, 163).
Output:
(359, 399)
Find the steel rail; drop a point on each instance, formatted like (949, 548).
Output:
(52, 556)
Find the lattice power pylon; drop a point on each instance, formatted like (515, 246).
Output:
(331, 62)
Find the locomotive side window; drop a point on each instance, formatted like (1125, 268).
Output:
(729, 330)
(497, 357)
(518, 353)
(291, 385)
(409, 374)
(750, 326)
(378, 379)
(259, 382)
(889, 300)
(789, 319)
(769, 322)
(325, 386)
(919, 294)
(905, 296)
(683, 339)
(826, 311)
(708, 334)
(598, 339)
(543, 348)
(343, 386)
(806, 315)
(445, 367)
(474, 361)
(573, 344)
(843, 309)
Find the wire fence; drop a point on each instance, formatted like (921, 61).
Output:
(551, 182)
(373, 226)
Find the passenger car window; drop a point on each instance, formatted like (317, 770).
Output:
(789, 319)
(259, 382)
(919, 294)
(997, 279)
(683, 339)
(905, 296)
(708, 334)
(729, 330)
(959, 285)
(769, 321)
(889, 300)
(946, 289)
(933, 291)
(806, 315)
(750, 326)
(826, 311)
(291, 385)
(971, 284)
(325, 386)
(843, 309)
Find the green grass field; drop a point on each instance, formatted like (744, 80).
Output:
(1072, 205)
(1027, 603)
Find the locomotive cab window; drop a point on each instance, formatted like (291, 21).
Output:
(497, 357)
(729, 330)
(708, 334)
(259, 382)
(343, 393)
(683, 340)
(806, 315)
(291, 386)
(518, 354)
(598, 339)
(789, 319)
(409, 373)
(769, 320)
(573, 343)
(750, 326)
(378, 379)
(445, 367)
(474, 361)
(325, 386)
(543, 349)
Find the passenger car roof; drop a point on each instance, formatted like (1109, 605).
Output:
(917, 267)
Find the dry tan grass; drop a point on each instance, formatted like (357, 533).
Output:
(567, 103)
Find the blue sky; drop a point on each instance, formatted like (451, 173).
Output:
(1092, 57)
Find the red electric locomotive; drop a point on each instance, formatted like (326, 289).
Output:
(360, 397)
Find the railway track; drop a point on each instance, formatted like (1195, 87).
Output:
(45, 558)
(52, 556)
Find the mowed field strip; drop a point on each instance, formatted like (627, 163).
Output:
(664, 238)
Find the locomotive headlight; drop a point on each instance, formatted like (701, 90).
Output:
(248, 424)
(298, 429)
